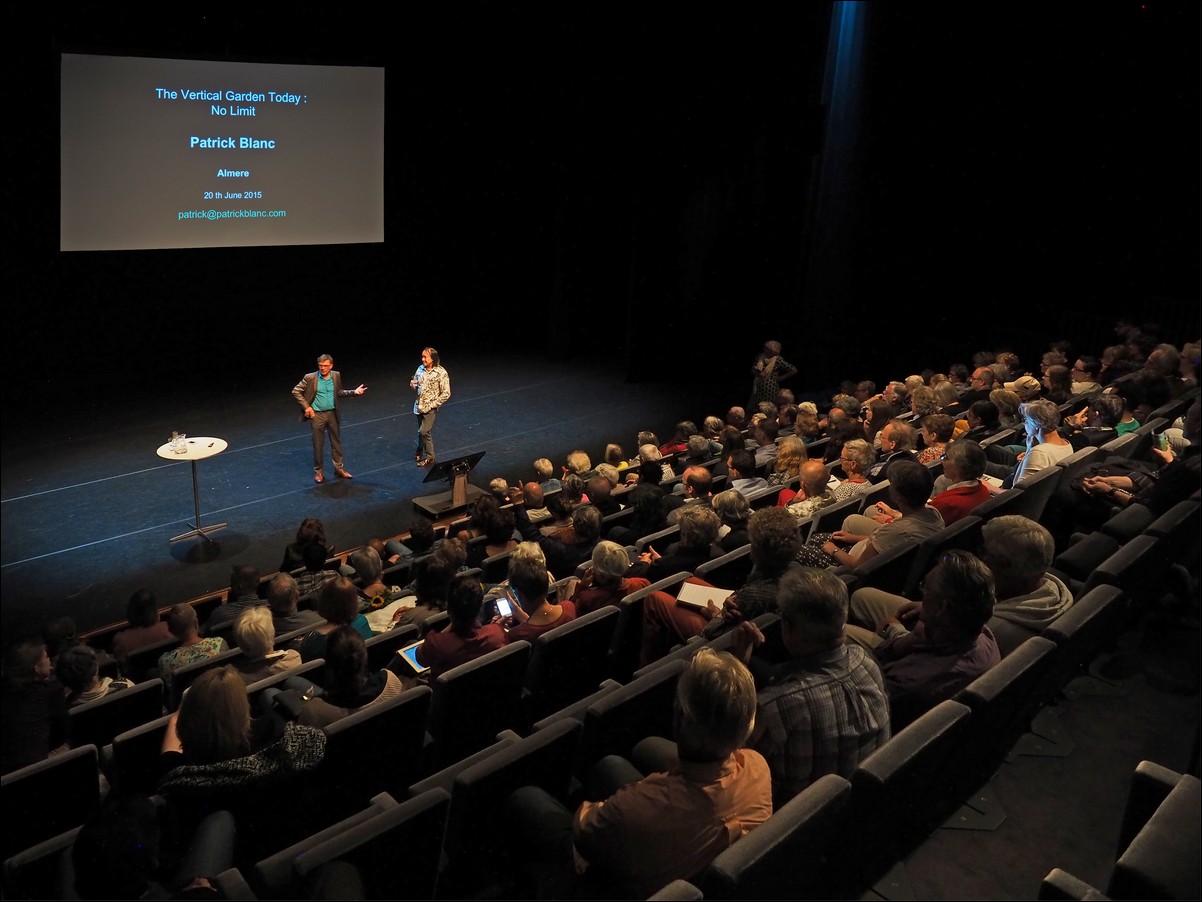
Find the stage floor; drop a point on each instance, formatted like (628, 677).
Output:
(89, 508)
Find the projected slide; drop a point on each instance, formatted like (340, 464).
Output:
(183, 153)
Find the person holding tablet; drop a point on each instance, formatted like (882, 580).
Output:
(464, 639)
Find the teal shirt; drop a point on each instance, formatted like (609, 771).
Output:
(325, 394)
(1124, 428)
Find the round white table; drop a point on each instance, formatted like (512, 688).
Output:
(195, 448)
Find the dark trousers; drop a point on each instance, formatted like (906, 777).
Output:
(326, 421)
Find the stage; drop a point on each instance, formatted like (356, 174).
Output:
(89, 509)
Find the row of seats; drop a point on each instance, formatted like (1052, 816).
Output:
(836, 836)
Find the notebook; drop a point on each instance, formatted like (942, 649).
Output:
(697, 597)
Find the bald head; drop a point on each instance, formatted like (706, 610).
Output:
(814, 478)
(533, 493)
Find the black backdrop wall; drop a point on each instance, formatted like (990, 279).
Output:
(642, 187)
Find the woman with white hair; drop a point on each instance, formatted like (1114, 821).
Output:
(733, 510)
(254, 632)
(605, 583)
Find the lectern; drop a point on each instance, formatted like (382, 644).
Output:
(462, 493)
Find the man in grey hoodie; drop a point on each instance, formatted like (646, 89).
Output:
(1019, 552)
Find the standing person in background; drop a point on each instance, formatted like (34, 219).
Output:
(317, 394)
(433, 387)
(770, 370)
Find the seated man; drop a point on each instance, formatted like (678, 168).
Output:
(897, 443)
(1095, 424)
(763, 437)
(600, 495)
(910, 486)
(948, 645)
(636, 834)
(1019, 552)
(740, 468)
(283, 595)
(824, 710)
(696, 485)
(774, 541)
(699, 527)
(814, 492)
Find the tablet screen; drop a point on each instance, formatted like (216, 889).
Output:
(409, 653)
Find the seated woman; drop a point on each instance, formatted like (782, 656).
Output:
(806, 427)
(474, 527)
(1058, 384)
(184, 626)
(464, 639)
(856, 460)
(145, 627)
(922, 402)
(214, 757)
(254, 632)
(982, 419)
(878, 412)
(559, 506)
(78, 669)
(311, 532)
(434, 576)
(789, 458)
(937, 429)
(535, 613)
(948, 399)
(497, 528)
(1094, 424)
(1045, 446)
(960, 488)
(1007, 403)
(348, 685)
(841, 432)
(369, 569)
(615, 456)
(734, 513)
(605, 584)
(649, 515)
(338, 603)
